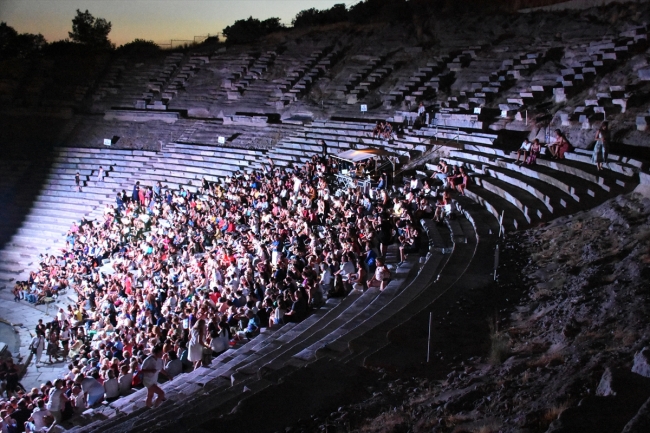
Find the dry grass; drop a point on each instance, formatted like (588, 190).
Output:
(553, 413)
(546, 359)
(458, 418)
(492, 427)
(500, 349)
(386, 422)
(500, 343)
(624, 337)
(540, 294)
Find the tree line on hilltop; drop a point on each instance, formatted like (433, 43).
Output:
(90, 33)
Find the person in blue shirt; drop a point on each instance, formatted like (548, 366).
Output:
(371, 257)
(119, 203)
(253, 326)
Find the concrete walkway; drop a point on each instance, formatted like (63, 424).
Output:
(24, 316)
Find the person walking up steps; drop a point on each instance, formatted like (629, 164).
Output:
(151, 368)
(77, 182)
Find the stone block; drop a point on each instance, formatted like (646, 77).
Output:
(565, 119)
(621, 102)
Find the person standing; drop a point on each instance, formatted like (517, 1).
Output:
(135, 194)
(197, 343)
(151, 368)
(56, 400)
(38, 345)
(601, 148)
(100, 174)
(421, 111)
(77, 182)
(53, 346)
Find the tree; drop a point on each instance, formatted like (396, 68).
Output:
(13, 44)
(313, 17)
(139, 46)
(90, 31)
(250, 30)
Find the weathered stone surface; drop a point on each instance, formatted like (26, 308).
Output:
(641, 421)
(642, 362)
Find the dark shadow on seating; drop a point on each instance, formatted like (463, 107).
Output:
(29, 140)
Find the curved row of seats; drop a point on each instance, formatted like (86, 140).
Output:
(529, 194)
(275, 354)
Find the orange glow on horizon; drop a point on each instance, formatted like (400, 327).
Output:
(157, 20)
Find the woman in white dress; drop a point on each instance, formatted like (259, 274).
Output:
(197, 343)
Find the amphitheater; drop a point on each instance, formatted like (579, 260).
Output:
(208, 111)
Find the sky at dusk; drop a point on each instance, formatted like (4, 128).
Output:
(157, 20)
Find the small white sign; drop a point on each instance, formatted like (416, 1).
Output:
(108, 142)
(364, 108)
(221, 140)
(477, 110)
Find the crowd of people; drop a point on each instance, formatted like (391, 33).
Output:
(170, 278)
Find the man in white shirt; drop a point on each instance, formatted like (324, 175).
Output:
(524, 149)
(56, 400)
(38, 421)
(151, 368)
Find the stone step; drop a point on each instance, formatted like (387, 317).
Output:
(390, 302)
(533, 209)
(579, 188)
(513, 219)
(297, 334)
(375, 332)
